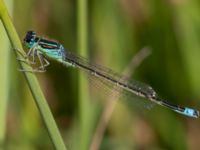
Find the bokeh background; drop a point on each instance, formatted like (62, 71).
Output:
(117, 30)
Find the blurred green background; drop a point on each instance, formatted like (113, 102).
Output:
(117, 30)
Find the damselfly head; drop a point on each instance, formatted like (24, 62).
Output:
(29, 39)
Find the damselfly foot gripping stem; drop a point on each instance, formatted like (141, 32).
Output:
(30, 58)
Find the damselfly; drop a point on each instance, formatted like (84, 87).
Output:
(44, 49)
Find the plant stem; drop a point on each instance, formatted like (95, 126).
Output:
(4, 76)
(32, 81)
(82, 36)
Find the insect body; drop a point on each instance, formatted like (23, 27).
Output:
(46, 49)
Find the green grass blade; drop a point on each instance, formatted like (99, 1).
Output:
(82, 36)
(188, 21)
(4, 76)
(4, 65)
(32, 81)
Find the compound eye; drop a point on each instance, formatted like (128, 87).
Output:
(30, 36)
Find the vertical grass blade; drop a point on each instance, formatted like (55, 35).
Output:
(4, 76)
(82, 19)
(32, 81)
(187, 22)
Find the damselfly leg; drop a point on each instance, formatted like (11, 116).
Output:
(30, 58)
(43, 62)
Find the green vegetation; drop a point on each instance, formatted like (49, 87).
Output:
(31, 80)
(110, 33)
